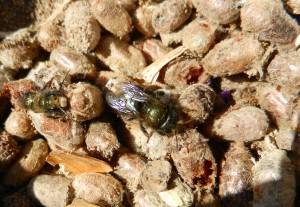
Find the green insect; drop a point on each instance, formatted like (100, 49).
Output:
(50, 102)
(145, 105)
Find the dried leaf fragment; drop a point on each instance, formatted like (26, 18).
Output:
(151, 72)
(81, 203)
(77, 163)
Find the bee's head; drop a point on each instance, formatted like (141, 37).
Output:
(63, 102)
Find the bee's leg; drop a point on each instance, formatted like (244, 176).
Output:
(66, 114)
(145, 132)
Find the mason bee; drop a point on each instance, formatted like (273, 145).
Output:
(52, 103)
(145, 105)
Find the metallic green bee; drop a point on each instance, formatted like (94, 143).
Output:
(145, 105)
(51, 102)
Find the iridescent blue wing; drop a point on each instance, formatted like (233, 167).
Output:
(117, 103)
(135, 93)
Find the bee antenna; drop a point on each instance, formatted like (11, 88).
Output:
(66, 114)
(60, 85)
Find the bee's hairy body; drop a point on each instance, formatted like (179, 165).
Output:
(45, 101)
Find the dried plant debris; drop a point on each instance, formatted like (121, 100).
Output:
(149, 103)
(81, 203)
(76, 164)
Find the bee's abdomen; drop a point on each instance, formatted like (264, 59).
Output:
(40, 103)
(154, 114)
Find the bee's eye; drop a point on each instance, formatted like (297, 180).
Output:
(63, 102)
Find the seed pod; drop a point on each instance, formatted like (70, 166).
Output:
(51, 190)
(154, 147)
(199, 35)
(101, 139)
(284, 69)
(285, 138)
(120, 56)
(235, 186)
(50, 35)
(232, 56)
(31, 159)
(194, 160)
(274, 180)
(197, 102)
(48, 77)
(170, 15)
(128, 5)
(86, 101)
(142, 20)
(156, 175)
(144, 198)
(66, 134)
(109, 76)
(19, 49)
(19, 124)
(76, 63)
(153, 49)
(293, 6)
(269, 21)
(103, 189)
(223, 12)
(178, 194)
(8, 149)
(129, 168)
(280, 103)
(112, 17)
(171, 38)
(82, 29)
(184, 71)
(244, 124)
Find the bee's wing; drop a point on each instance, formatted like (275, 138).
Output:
(117, 103)
(135, 93)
